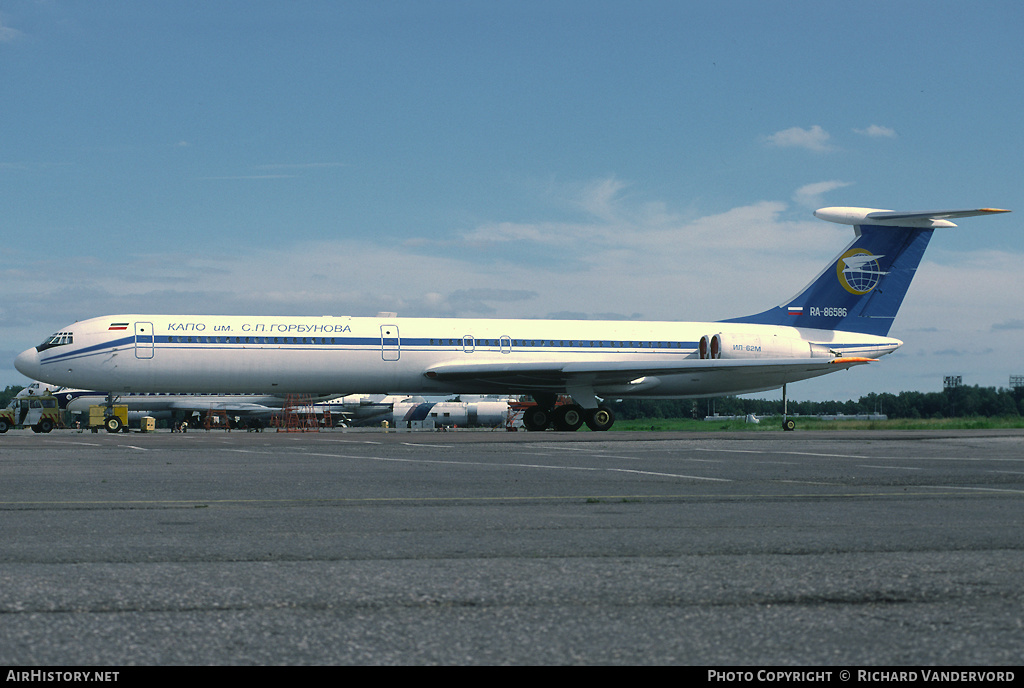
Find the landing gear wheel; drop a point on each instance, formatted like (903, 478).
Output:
(789, 425)
(112, 424)
(600, 419)
(536, 418)
(569, 417)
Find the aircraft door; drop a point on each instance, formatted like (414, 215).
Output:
(144, 340)
(390, 343)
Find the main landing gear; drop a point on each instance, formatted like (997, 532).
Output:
(788, 424)
(566, 417)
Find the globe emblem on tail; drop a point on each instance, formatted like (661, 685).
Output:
(858, 271)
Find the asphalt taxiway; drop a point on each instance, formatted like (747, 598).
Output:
(766, 548)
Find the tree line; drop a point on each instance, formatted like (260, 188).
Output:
(956, 402)
(9, 393)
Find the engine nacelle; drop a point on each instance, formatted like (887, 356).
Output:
(742, 345)
(710, 346)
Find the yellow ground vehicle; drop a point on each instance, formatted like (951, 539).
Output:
(40, 413)
(115, 421)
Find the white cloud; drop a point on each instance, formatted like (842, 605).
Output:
(876, 131)
(7, 34)
(301, 165)
(601, 198)
(506, 232)
(809, 195)
(814, 139)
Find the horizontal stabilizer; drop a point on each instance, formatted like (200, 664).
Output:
(876, 216)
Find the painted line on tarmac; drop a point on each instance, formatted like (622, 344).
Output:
(861, 456)
(518, 465)
(890, 468)
(355, 441)
(972, 489)
(76, 444)
(202, 503)
(602, 455)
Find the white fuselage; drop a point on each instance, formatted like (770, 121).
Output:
(325, 355)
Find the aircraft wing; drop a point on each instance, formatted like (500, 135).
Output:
(526, 376)
(229, 407)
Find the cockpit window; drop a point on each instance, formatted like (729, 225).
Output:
(59, 339)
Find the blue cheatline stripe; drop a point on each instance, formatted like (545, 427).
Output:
(439, 344)
(89, 350)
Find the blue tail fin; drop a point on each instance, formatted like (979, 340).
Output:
(862, 288)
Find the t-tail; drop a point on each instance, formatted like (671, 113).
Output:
(862, 288)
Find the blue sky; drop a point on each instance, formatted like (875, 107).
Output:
(654, 160)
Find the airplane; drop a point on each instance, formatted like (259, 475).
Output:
(451, 413)
(401, 410)
(359, 409)
(840, 320)
(162, 405)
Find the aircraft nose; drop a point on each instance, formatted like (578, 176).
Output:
(27, 363)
